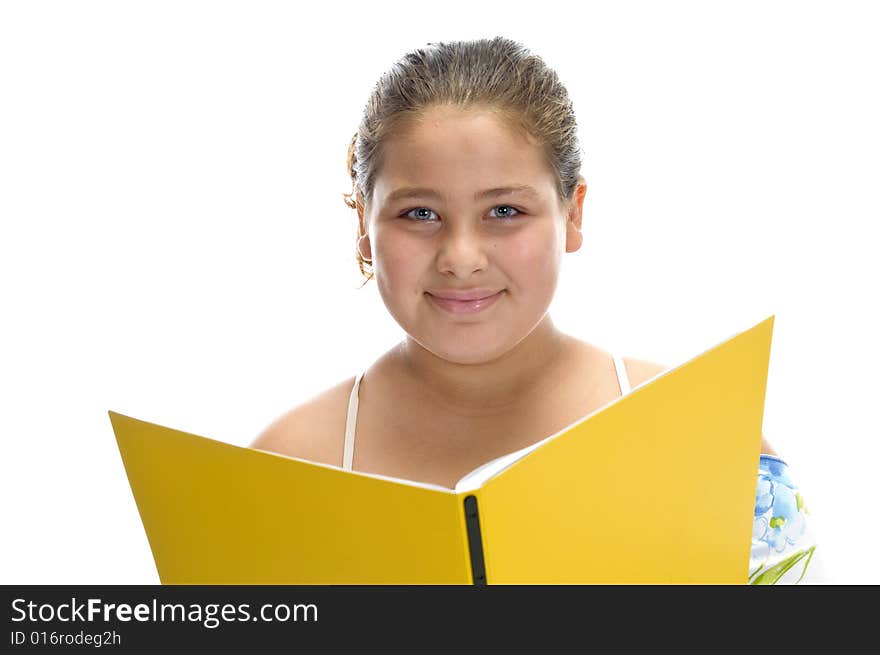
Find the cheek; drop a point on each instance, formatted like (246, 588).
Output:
(532, 255)
(398, 258)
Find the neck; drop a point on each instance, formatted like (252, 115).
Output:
(490, 388)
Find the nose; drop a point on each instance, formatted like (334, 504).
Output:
(462, 250)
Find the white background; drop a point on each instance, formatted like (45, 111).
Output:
(175, 245)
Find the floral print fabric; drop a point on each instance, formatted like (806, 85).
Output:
(782, 545)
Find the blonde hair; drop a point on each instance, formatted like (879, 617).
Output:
(498, 75)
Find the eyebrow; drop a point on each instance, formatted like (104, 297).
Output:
(424, 192)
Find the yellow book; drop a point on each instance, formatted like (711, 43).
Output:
(657, 487)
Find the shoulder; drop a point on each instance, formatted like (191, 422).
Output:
(642, 370)
(312, 430)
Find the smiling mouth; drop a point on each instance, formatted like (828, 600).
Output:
(465, 306)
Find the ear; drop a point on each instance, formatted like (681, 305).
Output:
(574, 238)
(363, 243)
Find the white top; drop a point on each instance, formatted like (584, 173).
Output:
(351, 418)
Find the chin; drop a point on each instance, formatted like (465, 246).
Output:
(465, 352)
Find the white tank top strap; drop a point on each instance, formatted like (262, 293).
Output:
(350, 422)
(622, 377)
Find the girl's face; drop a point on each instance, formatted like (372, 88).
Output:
(448, 220)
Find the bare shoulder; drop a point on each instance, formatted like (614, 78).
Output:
(312, 430)
(642, 370)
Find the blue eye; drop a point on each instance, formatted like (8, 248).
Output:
(506, 216)
(508, 207)
(416, 210)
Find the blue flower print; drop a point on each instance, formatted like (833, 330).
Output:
(782, 545)
(779, 508)
(764, 498)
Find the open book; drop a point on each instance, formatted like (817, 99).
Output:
(655, 487)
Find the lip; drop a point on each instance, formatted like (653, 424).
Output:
(474, 293)
(483, 299)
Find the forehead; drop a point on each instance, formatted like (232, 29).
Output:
(461, 153)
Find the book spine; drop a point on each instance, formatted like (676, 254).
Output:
(475, 540)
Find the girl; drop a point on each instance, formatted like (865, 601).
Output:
(466, 181)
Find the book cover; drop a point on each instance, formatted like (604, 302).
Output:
(657, 487)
